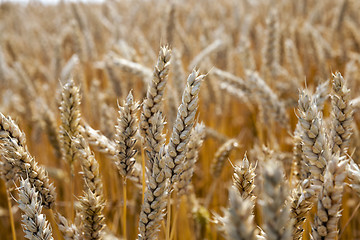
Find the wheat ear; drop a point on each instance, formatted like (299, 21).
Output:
(301, 201)
(89, 165)
(314, 144)
(125, 136)
(176, 148)
(70, 120)
(15, 152)
(342, 115)
(69, 232)
(271, 102)
(276, 214)
(271, 49)
(102, 144)
(34, 224)
(132, 67)
(244, 178)
(92, 203)
(238, 222)
(153, 100)
(178, 75)
(152, 209)
(93, 220)
(221, 156)
(293, 58)
(353, 171)
(329, 202)
(192, 154)
(51, 129)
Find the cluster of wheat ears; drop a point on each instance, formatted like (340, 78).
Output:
(180, 120)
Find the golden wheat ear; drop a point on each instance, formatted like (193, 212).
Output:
(244, 178)
(153, 103)
(176, 148)
(155, 199)
(342, 115)
(20, 163)
(35, 225)
(221, 156)
(238, 222)
(125, 136)
(192, 154)
(313, 139)
(70, 120)
(276, 213)
(92, 203)
(69, 231)
(330, 200)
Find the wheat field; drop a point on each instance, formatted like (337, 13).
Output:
(180, 120)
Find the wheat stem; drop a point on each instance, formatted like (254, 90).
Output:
(124, 208)
(11, 216)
